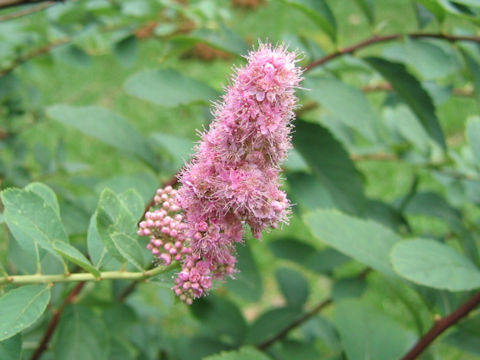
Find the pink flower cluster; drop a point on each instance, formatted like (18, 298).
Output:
(234, 176)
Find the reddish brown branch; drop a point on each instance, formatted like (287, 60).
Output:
(27, 11)
(441, 325)
(385, 38)
(285, 331)
(463, 92)
(11, 3)
(42, 346)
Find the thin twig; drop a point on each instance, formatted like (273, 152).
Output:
(42, 346)
(376, 39)
(11, 3)
(462, 92)
(441, 325)
(284, 332)
(27, 11)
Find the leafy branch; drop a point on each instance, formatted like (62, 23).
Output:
(75, 277)
(27, 11)
(11, 3)
(376, 39)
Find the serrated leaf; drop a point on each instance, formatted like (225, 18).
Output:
(133, 201)
(81, 335)
(11, 349)
(365, 241)
(430, 263)
(167, 87)
(366, 333)
(368, 9)
(245, 353)
(113, 217)
(473, 135)
(74, 255)
(21, 307)
(293, 286)
(347, 103)
(32, 220)
(331, 165)
(45, 193)
(319, 12)
(96, 248)
(126, 50)
(247, 282)
(105, 126)
(129, 248)
(412, 92)
(270, 323)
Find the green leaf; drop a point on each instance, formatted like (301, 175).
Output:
(434, 8)
(473, 65)
(347, 103)
(222, 38)
(366, 333)
(291, 249)
(466, 336)
(348, 288)
(331, 164)
(293, 286)
(423, 15)
(221, 317)
(270, 323)
(126, 50)
(73, 55)
(105, 126)
(129, 249)
(473, 135)
(167, 87)
(180, 148)
(31, 219)
(428, 59)
(460, 8)
(96, 248)
(245, 353)
(430, 263)
(11, 349)
(308, 192)
(412, 92)
(367, 8)
(247, 282)
(112, 217)
(433, 204)
(365, 241)
(45, 193)
(319, 12)
(133, 201)
(300, 350)
(74, 255)
(325, 261)
(81, 335)
(21, 307)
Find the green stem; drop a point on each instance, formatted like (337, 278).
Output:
(107, 275)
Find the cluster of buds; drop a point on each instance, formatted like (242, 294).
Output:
(164, 224)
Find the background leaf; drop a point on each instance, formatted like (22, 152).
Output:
(21, 307)
(293, 286)
(331, 165)
(167, 87)
(105, 126)
(412, 92)
(365, 241)
(430, 263)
